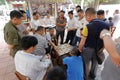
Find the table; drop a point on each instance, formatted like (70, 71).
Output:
(64, 49)
(62, 52)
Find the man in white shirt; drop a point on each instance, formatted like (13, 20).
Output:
(35, 22)
(28, 64)
(116, 17)
(49, 22)
(71, 28)
(42, 20)
(78, 7)
(79, 24)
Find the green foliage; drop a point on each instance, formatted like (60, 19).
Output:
(90, 1)
(76, 1)
(101, 1)
(2, 2)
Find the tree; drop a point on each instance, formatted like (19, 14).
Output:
(76, 1)
(90, 3)
(94, 3)
(2, 2)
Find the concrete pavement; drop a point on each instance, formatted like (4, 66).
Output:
(7, 67)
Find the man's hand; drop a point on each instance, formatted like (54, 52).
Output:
(82, 43)
(116, 60)
(58, 24)
(61, 25)
(26, 32)
(10, 46)
(69, 29)
(55, 47)
(49, 57)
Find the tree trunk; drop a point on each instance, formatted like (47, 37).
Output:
(82, 4)
(96, 4)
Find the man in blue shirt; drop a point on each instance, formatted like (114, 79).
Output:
(74, 66)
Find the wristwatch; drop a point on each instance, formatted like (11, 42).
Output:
(27, 78)
(105, 34)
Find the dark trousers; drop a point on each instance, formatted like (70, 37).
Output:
(88, 55)
(61, 34)
(76, 40)
(70, 36)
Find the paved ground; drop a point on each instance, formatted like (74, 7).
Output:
(7, 68)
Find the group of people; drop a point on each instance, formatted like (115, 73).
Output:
(88, 33)
(30, 50)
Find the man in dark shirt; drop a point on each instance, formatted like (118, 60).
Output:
(91, 41)
(101, 15)
(11, 35)
(60, 26)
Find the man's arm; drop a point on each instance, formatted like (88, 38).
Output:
(10, 46)
(52, 44)
(109, 45)
(82, 43)
(58, 24)
(64, 24)
(83, 38)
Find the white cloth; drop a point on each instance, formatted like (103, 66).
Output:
(71, 23)
(41, 22)
(30, 65)
(49, 21)
(47, 37)
(79, 24)
(75, 14)
(35, 23)
(116, 19)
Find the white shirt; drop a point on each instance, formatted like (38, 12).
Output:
(42, 22)
(116, 19)
(80, 23)
(47, 36)
(35, 23)
(71, 23)
(49, 21)
(30, 65)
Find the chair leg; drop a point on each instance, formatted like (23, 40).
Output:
(113, 30)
